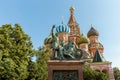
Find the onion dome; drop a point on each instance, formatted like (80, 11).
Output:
(48, 40)
(62, 28)
(92, 32)
(82, 39)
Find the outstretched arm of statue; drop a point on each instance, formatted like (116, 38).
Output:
(52, 30)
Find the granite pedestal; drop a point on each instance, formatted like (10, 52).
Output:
(70, 66)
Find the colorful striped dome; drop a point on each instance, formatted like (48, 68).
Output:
(62, 28)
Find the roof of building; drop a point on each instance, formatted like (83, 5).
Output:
(92, 32)
(98, 57)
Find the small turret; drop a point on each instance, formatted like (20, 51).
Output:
(94, 43)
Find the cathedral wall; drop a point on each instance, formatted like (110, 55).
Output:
(103, 67)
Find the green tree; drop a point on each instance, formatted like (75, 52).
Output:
(89, 74)
(39, 70)
(15, 48)
(116, 73)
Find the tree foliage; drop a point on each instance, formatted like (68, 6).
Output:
(15, 47)
(116, 73)
(38, 70)
(89, 74)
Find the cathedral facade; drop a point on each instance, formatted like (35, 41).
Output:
(90, 44)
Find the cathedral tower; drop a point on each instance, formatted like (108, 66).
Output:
(74, 27)
(94, 43)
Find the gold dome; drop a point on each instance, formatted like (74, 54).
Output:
(82, 39)
(72, 9)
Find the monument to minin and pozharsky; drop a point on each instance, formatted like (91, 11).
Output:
(70, 50)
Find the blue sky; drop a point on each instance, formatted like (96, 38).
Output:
(37, 17)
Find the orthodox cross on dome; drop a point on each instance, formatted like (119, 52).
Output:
(91, 25)
(62, 19)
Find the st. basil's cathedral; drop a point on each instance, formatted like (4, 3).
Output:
(89, 44)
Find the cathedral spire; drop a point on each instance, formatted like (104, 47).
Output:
(74, 26)
(72, 18)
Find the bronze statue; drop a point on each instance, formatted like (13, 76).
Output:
(56, 48)
(69, 51)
